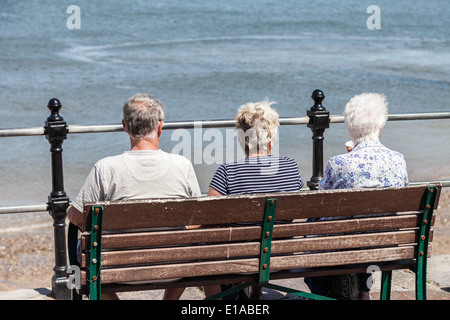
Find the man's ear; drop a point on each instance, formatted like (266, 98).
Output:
(123, 124)
(160, 128)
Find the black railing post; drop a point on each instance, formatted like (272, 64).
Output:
(319, 120)
(58, 202)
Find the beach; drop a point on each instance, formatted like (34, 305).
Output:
(27, 260)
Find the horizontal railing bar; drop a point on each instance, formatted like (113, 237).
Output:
(209, 124)
(444, 183)
(231, 123)
(22, 209)
(94, 128)
(44, 207)
(419, 116)
(404, 116)
(179, 125)
(36, 131)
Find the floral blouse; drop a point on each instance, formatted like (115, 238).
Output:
(368, 165)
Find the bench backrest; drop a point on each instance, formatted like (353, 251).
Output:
(111, 249)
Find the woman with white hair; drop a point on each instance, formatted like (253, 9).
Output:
(260, 171)
(369, 164)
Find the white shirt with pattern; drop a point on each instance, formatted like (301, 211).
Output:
(368, 165)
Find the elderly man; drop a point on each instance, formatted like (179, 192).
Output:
(145, 171)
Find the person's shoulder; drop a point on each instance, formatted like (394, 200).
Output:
(109, 161)
(398, 154)
(227, 166)
(339, 158)
(176, 158)
(339, 161)
(234, 163)
(284, 161)
(287, 159)
(394, 153)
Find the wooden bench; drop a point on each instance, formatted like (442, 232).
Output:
(246, 254)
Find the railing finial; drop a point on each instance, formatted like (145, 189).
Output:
(318, 97)
(54, 105)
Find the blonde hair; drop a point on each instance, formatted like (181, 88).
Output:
(257, 125)
(365, 115)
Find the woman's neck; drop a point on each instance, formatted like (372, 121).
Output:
(258, 154)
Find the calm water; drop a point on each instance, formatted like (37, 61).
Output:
(205, 58)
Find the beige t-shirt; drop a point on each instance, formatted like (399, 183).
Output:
(142, 174)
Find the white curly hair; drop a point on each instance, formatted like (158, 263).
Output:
(365, 115)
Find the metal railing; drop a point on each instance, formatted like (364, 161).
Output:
(74, 129)
(56, 130)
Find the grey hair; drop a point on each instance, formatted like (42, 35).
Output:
(365, 115)
(141, 115)
(257, 125)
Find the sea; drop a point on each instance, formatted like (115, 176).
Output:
(203, 59)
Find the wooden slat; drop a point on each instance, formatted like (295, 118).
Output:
(169, 271)
(163, 238)
(354, 241)
(219, 251)
(252, 249)
(342, 258)
(385, 223)
(241, 278)
(195, 269)
(295, 205)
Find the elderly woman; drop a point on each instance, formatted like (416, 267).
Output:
(260, 171)
(369, 164)
(257, 127)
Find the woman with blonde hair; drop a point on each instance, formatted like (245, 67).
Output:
(260, 171)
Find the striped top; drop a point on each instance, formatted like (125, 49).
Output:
(257, 175)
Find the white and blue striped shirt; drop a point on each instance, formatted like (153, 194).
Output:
(257, 175)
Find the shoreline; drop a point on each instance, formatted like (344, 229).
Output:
(27, 256)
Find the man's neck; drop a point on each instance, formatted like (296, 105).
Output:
(144, 144)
